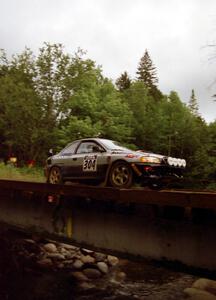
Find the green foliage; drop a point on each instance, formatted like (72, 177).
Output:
(26, 174)
(95, 112)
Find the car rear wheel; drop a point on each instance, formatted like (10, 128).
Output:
(55, 176)
(121, 175)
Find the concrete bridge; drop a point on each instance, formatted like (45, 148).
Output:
(167, 225)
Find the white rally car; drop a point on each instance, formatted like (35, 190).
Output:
(97, 160)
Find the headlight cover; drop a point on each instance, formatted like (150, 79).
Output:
(176, 162)
(150, 159)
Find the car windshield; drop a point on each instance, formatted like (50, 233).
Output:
(113, 145)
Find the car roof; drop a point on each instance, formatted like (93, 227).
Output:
(91, 139)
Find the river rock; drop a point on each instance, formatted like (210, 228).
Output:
(31, 246)
(45, 262)
(50, 247)
(87, 259)
(79, 276)
(102, 266)
(196, 294)
(30, 241)
(118, 277)
(78, 264)
(86, 251)
(86, 285)
(92, 273)
(56, 256)
(60, 265)
(69, 254)
(99, 256)
(68, 247)
(112, 260)
(205, 285)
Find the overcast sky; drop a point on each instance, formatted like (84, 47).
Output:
(115, 33)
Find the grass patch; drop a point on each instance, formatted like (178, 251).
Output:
(34, 174)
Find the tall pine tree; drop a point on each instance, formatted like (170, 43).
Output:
(193, 104)
(123, 82)
(146, 71)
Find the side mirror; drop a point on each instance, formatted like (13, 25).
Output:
(50, 152)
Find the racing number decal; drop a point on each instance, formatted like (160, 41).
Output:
(90, 163)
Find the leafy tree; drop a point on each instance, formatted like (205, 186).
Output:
(20, 114)
(96, 110)
(34, 91)
(77, 128)
(137, 98)
(113, 113)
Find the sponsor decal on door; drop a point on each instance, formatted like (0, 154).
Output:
(90, 163)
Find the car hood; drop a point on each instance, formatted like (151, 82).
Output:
(138, 153)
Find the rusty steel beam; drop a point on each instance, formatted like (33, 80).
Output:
(135, 195)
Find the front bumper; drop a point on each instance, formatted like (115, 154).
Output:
(157, 172)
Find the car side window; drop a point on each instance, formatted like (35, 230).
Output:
(70, 149)
(88, 147)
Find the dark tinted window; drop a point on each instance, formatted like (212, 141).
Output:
(88, 147)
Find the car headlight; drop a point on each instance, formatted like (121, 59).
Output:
(150, 159)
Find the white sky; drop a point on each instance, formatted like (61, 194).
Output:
(116, 33)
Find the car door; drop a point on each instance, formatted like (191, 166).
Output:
(91, 161)
(66, 160)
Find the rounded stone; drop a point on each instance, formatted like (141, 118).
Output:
(87, 259)
(102, 266)
(78, 264)
(86, 251)
(99, 256)
(50, 247)
(206, 285)
(112, 260)
(118, 277)
(56, 256)
(79, 276)
(92, 273)
(60, 266)
(196, 294)
(45, 262)
(86, 285)
(68, 247)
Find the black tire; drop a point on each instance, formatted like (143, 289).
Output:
(55, 176)
(121, 175)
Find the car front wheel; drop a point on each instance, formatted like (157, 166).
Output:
(55, 176)
(121, 175)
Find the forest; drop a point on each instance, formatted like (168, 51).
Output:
(52, 98)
